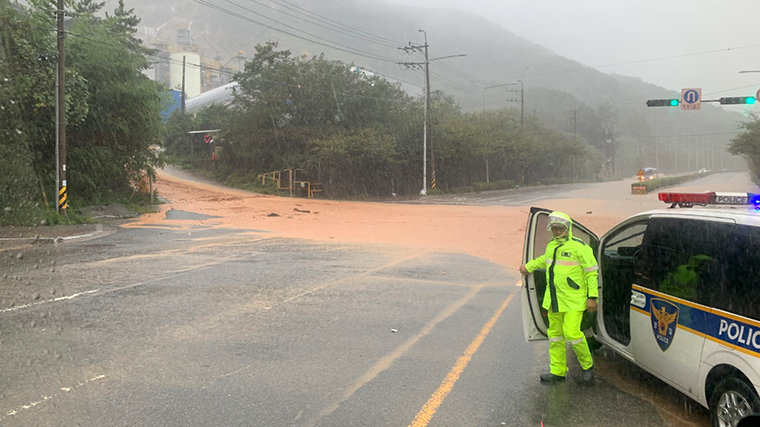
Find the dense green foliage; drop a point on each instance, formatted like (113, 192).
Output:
(747, 144)
(112, 110)
(360, 135)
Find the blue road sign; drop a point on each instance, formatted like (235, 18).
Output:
(691, 99)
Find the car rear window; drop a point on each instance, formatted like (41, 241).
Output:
(713, 263)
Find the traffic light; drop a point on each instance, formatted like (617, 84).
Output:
(738, 100)
(662, 103)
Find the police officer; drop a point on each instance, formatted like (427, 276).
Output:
(571, 278)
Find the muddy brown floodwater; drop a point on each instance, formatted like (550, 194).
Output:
(494, 233)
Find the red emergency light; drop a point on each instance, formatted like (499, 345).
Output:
(687, 200)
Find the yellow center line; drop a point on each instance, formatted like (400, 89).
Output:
(431, 406)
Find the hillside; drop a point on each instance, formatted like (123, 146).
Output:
(569, 96)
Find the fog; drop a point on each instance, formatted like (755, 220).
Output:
(675, 44)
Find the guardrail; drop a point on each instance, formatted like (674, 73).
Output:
(287, 180)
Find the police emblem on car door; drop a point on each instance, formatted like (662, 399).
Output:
(664, 315)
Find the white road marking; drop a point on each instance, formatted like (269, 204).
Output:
(121, 288)
(72, 296)
(531, 200)
(348, 278)
(45, 398)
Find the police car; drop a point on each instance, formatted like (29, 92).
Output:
(679, 295)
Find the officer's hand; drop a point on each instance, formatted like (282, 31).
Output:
(523, 270)
(591, 304)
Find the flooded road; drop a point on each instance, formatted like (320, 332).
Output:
(213, 312)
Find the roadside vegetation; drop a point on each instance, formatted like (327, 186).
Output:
(362, 136)
(747, 145)
(112, 110)
(354, 132)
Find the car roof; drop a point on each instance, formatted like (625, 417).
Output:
(746, 215)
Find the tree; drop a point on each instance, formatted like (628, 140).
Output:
(27, 103)
(747, 144)
(111, 147)
(289, 110)
(360, 160)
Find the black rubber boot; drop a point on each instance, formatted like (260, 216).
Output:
(588, 375)
(551, 378)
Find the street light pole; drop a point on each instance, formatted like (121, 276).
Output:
(489, 87)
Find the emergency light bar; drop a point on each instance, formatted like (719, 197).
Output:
(687, 200)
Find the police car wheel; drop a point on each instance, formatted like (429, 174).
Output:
(731, 401)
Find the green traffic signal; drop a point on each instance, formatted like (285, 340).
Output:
(662, 103)
(738, 100)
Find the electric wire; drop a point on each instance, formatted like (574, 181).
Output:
(327, 23)
(325, 42)
(203, 67)
(338, 23)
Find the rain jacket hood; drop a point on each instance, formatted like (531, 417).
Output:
(558, 217)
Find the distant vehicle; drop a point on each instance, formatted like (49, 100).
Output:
(704, 171)
(678, 296)
(649, 173)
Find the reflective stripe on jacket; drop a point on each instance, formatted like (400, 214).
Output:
(571, 274)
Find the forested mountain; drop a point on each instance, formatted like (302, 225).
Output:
(566, 95)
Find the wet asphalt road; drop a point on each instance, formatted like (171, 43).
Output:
(196, 326)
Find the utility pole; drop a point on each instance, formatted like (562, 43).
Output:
(612, 146)
(424, 48)
(575, 124)
(60, 183)
(416, 48)
(433, 184)
(575, 137)
(522, 102)
(183, 85)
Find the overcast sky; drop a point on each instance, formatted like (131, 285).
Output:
(672, 43)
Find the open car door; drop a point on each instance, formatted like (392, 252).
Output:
(534, 318)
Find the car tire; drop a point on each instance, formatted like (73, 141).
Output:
(732, 400)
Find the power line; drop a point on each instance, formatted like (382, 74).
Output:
(325, 42)
(340, 24)
(203, 67)
(684, 55)
(324, 22)
(162, 58)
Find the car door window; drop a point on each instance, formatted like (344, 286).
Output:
(617, 262)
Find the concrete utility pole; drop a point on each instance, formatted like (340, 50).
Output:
(60, 140)
(414, 48)
(522, 102)
(485, 157)
(423, 192)
(183, 85)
